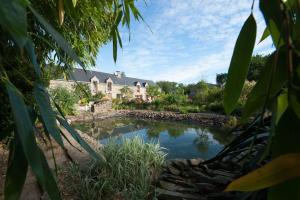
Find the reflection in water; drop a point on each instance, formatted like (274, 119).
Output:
(202, 141)
(181, 140)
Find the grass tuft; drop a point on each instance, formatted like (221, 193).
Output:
(129, 172)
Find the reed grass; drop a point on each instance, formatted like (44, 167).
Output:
(131, 168)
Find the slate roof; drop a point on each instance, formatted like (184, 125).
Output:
(81, 75)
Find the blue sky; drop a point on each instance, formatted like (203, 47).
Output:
(191, 40)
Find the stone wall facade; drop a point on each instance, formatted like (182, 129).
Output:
(102, 106)
(114, 93)
(62, 83)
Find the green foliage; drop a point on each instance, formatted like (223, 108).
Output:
(276, 93)
(221, 78)
(116, 176)
(32, 39)
(65, 99)
(205, 98)
(153, 91)
(257, 64)
(126, 92)
(239, 64)
(97, 97)
(167, 86)
(177, 99)
(82, 90)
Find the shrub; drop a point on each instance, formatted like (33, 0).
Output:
(65, 99)
(189, 109)
(83, 101)
(208, 95)
(216, 107)
(232, 122)
(177, 99)
(130, 169)
(172, 107)
(183, 110)
(82, 90)
(97, 97)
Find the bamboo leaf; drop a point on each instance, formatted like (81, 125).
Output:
(61, 12)
(265, 34)
(74, 3)
(119, 39)
(58, 38)
(115, 47)
(281, 169)
(14, 20)
(30, 51)
(282, 105)
(295, 103)
(78, 139)
(33, 154)
(286, 141)
(17, 167)
(273, 17)
(239, 64)
(118, 19)
(47, 114)
(258, 96)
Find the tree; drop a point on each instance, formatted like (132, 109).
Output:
(221, 78)
(82, 90)
(126, 92)
(64, 99)
(257, 64)
(28, 41)
(167, 86)
(276, 92)
(153, 91)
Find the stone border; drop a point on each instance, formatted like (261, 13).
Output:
(208, 119)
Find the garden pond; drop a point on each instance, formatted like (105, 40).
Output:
(178, 139)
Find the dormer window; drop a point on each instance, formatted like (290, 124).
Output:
(109, 86)
(138, 88)
(109, 83)
(95, 86)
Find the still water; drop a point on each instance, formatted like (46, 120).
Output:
(179, 139)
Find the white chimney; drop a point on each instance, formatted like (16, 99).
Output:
(118, 74)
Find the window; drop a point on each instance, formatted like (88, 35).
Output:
(138, 88)
(95, 86)
(119, 96)
(109, 86)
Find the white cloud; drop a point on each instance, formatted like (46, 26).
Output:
(190, 40)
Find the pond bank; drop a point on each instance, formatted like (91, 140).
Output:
(31, 189)
(207, 119)
(198, 179)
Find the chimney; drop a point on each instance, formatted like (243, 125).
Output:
(118, 74)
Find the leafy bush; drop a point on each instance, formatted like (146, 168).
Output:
(65, 99)
(153, 91)
(126, 92)
(97, 97)
(216, 107)
(83, 101)
(172, 107)
(82, 90)
(177, 99)
(130, 169)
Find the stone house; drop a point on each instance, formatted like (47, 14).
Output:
(109, 84)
